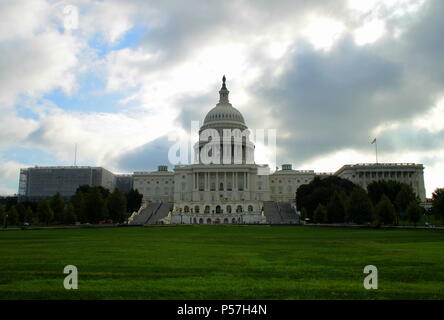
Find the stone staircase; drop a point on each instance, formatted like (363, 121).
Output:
(271, 212)
(280, 213)
(145, 214)
(160, 213)
(288, 213)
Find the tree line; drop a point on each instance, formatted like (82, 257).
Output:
(87, 205)
(337, 200)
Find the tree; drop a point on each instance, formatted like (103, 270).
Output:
(320, 214)
(94, 206)
(9, 201)
(385, 212)
(403, 199)
(12, 216)
(30, 215)
(320, 191)
(414, 212)
(69, 216)
(438, 203)
(116, 204)
(336, 208)
(2, 213)
(133, 201)
(78, 203)
(303, 214)
(57, 206)
(360, 208)
(90, 203)
(390, 188)
(21, 213)
(44, 212)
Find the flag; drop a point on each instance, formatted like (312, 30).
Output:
(374, 141)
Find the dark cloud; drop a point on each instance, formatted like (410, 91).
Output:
(146, 157)
(404, 138)
(194, 108)
(328, 101)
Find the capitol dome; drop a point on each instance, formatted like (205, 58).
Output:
(224, 115)
(232, 148)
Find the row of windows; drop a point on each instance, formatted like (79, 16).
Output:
(229, 196)
(289, 181)
(216, 209)
(385, 174)
(157, 190)
(217, 221)
(221, 116)
(281, 189)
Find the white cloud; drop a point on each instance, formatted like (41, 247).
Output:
(14, 129)
(9, 171)
(323, 32)
(36, 56)
(370, 32)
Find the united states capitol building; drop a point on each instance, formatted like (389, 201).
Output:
(223, 185)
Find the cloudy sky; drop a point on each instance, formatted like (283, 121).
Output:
(328, 75)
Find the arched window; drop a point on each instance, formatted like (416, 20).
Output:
(207, 209)
(250, 208)
(233, 221)
(228, 209)
(200, 221)
(194, 220)
(239, 208)
(225, 220)
(196, 209)
(186, 209)
(218, 209)
(208, 221)
(221, 186)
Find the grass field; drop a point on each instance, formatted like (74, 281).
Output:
(221, 262)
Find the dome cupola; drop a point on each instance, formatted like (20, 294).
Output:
(224, 115)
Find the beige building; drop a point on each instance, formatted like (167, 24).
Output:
(285, 182)
(363, 174)
(155, 186)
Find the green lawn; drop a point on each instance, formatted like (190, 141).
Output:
(221, 262)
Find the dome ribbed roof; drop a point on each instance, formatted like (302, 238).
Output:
(224, 114)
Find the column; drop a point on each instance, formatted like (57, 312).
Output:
(235, 181)
(248, 181)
